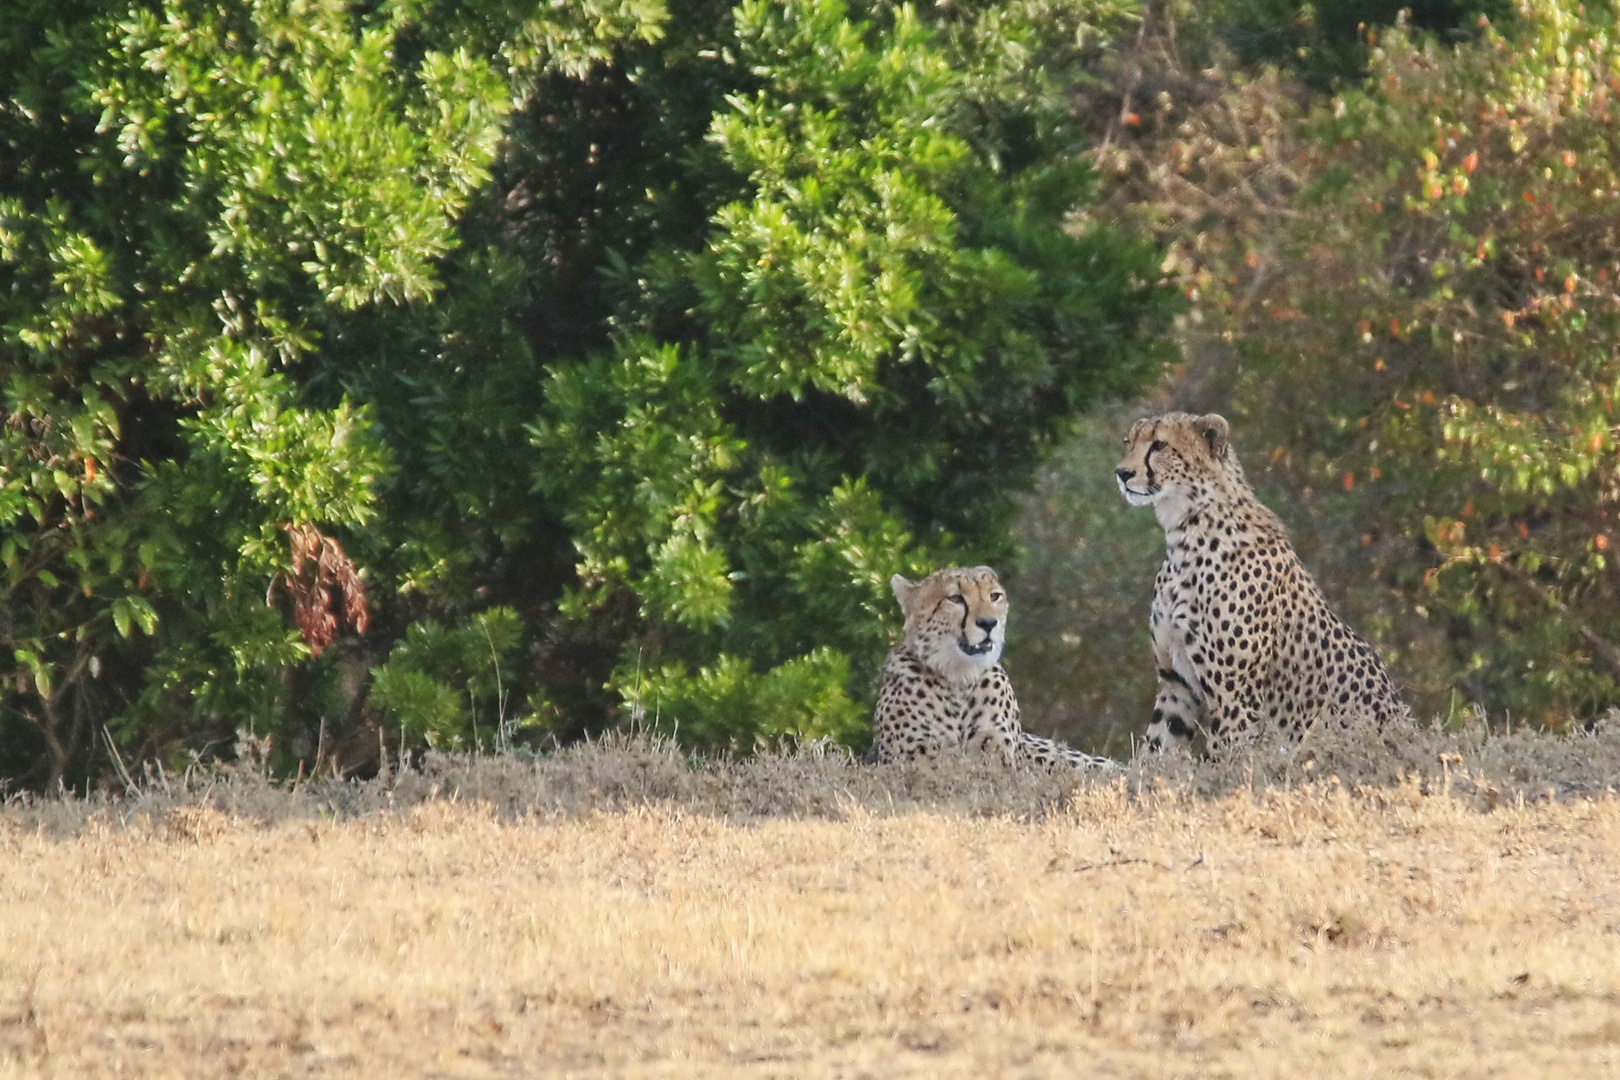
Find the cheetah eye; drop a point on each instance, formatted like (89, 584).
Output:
(1155, 448)
(995, 597)
(959, 598)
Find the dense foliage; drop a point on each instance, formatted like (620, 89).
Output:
(883, 323)
(1404, 292)
(1464, 297)
(1326, 45)
(445, 373)
(487, 374)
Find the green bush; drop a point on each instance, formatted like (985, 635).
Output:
(1327, 43)
(1409, 307)
(441, 682)
(849, 370)
(674, 332)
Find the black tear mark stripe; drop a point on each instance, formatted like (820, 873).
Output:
(1147, 463)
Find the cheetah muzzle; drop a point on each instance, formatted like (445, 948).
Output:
(980, 649)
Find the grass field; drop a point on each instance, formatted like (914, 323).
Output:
(798, 916)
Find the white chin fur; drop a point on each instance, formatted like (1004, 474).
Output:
(1137, 498)
(950, 661)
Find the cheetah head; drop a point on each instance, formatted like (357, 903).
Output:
(956, 620)
(1171, 460)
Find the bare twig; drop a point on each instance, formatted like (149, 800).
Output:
(1083, 867)
(117, 759)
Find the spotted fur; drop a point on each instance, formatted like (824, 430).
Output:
(943, 684)
(1241, 633)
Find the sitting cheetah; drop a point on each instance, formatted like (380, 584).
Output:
(1241, 633)
(943, 685)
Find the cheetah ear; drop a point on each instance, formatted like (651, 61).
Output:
(1214, 428)
(904, 590)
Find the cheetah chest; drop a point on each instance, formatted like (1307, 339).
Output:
(1215, 598)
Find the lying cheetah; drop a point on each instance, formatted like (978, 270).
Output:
(944, 686)
(1241, 633)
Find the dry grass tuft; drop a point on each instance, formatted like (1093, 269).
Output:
(622, 772)
(1423, 903)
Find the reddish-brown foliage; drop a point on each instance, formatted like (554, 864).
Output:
(323, 583)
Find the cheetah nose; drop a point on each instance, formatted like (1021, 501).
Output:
(1124, 474)
(986, 624)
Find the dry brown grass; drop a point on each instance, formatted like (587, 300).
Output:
(619, 912)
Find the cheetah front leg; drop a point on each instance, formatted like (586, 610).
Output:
(994, 726)
(1178, 707)
(1046, 753)
(1178, 713)
(991, 721)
